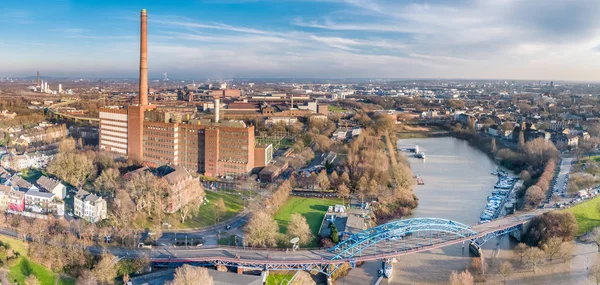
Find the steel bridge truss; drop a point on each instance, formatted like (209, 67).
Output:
(325, 266)
(479, 241)
(442, 229)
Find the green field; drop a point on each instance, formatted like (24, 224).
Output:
(313, 209)
(24, 267)
(334, 108)
(277, 279)
(587, 215)
(206, 216)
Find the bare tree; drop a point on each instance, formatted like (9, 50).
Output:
(298, 227)
(519, 250)
(463, 278)
(479, 265)
(344, 192)
(533, 257)
(303, 278)
(190, 209)
(191, 275)
(323, 180)
(261, 230)
(32, 280)
(566, 250)
(594, 273)
(552, 246)
(219, 209)
(87, 278)
(506, 270)
(106, 271)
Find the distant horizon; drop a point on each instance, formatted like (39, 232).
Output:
(203, 80)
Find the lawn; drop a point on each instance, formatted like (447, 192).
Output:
(206, 217)
(587, 215)
(313, 209)
(334, 108)
(24, 267)
(277, 279)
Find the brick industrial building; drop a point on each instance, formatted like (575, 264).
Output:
(145, 133)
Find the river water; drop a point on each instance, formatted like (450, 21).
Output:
(457, 181)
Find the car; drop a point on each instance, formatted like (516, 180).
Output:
(199, 245)
(70, 214)
(227, 227)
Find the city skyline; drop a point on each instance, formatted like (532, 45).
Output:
(306, 39)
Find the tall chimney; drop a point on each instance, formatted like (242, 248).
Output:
(144, 59)
(217, 106)
(38, 78)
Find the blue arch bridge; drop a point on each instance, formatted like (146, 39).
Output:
(383, 242)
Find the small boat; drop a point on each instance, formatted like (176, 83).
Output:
(420, 155)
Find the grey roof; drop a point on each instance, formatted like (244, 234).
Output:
(86, 196)
(47, 183)
(36, 193)
(19, 182)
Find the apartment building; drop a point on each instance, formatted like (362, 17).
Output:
(182, 187)
(89, 206)
(113, 130)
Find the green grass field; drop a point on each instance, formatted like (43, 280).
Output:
(313, 209)
(587, 215)
(334, 108)
(206, 217)
(24, 267)
(277, 279)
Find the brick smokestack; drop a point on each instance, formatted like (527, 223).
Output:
(144, 58)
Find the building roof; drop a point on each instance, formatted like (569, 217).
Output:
(47, 183)
(37, 193)
(19, 182)
(173, 174)
(86, 196)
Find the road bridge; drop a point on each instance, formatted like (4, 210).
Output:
(54, 112)
(384, 242)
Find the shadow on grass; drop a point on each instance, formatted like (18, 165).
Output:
(25, 267)
(322, 208)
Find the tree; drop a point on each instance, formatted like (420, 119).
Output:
(32, 280)
(86, 278)
(552, 246)
(506, 270)
(463, 278)
(261, 230)
(525, 176)
(303, 278)
(108, 182)
(594, 273)
(478, 265)
(344, 192)
(298, 227)
(521, 143)
(191, 275)
(334, 178)
(73, 168)
(323, 180)
(493, 146)
(534, 196)
(373, 188)
(566, 250)
(190, 209)
(552, 224)
(219, 208)
(106, 271)
(533, 257)
(345, 178)
(66, 145)
(334, 235)
(363, 186)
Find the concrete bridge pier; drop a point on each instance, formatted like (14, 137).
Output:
(264, 274)
(475, 249)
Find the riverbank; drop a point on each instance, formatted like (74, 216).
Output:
(413, 132)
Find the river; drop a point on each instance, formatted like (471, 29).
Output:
(457, 181)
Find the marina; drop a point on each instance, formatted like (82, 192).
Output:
(500, 195)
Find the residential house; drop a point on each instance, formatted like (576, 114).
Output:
(89, 206)
(52, 186)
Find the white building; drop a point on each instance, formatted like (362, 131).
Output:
(89, 207)
(113, 130)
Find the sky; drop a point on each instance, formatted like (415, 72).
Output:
(222, 39)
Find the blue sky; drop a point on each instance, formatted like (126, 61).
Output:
(509, 39)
